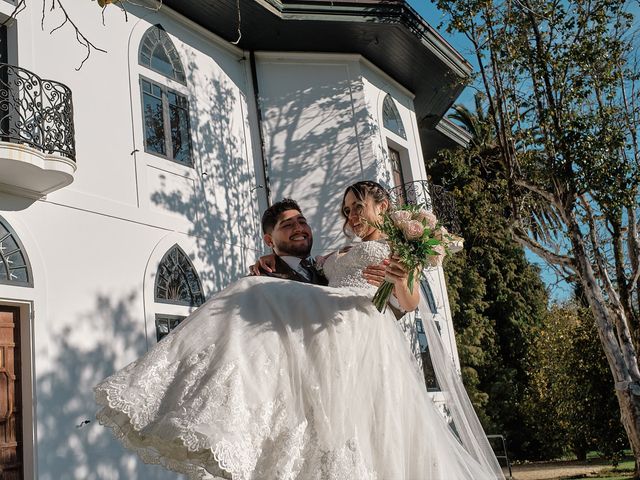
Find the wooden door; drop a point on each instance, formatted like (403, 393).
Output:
(10, 395)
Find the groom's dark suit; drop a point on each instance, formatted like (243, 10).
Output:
(283, 270)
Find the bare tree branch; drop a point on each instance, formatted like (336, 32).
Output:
(19, 7)
(525, 240)
(80, 37)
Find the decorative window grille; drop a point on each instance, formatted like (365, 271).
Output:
(391, 117)
(14, 263)
(177, 281)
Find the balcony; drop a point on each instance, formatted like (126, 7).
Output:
(433, 197)
(37, 144)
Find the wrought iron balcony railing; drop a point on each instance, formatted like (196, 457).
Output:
(36, 112)
(431, 196)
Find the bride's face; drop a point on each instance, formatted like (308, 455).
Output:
(361, 214)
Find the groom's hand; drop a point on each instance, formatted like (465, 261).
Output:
(266, 263)
(374, 274)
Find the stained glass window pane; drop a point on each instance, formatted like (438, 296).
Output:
(177, 281)
(158, 53)
(14, 264)
(391, 117)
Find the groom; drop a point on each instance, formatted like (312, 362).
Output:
(288, 234)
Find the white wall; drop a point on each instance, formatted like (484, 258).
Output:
(95, 245)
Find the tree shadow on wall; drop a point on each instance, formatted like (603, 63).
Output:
(223, 206)
(68, 447)
(318, 142)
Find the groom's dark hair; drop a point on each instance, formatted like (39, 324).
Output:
(271, 214)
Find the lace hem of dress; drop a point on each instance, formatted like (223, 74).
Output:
(228, 461)
(253, 443)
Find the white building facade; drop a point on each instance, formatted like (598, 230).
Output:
(131, 190)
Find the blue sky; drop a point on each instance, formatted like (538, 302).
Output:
(558, 291)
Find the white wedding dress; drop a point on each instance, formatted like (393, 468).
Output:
(275, 379)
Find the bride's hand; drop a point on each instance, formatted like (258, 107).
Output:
(397, 273)
(266, 263)
(374, 274)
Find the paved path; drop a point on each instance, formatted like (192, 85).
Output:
(554, 470)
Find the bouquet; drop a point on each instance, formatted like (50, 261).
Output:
(414, 235)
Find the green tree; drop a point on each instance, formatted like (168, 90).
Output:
(496, 295)
(559, 79)
(571, 400)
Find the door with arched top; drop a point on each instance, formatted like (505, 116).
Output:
(11, 461)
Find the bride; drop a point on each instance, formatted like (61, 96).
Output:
(276, 379)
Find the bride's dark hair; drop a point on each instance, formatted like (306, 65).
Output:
(361, 190)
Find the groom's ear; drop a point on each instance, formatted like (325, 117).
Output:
(268, 239)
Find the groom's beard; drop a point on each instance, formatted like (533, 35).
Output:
(294, 249)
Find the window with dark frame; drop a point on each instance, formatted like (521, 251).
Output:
(166, 122)
(165, 324)
(165, 111)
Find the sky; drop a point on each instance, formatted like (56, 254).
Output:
(559, 291)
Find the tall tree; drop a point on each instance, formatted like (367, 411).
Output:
(560, 83)
(496, 295)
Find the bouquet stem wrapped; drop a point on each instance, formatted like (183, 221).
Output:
(382, 295)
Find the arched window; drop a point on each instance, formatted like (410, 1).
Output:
(158, 53)
(165, 105)
(177, 281)
(14, 263)
(391, 117)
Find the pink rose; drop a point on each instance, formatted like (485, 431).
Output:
(412, 229)
(400, 216)
(428, 217)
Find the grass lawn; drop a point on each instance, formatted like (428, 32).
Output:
(623, 471)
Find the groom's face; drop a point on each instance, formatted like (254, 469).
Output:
(291, 235)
